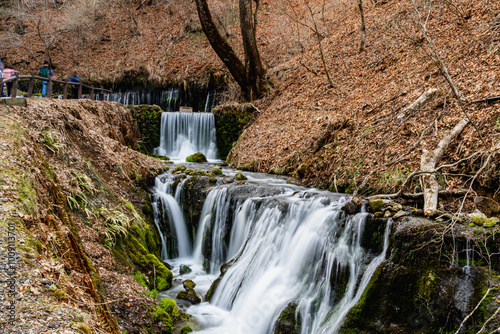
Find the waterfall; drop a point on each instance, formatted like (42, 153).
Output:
(172, 213)
(183, 134)
(283, 247)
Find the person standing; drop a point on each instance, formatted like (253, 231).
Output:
(9, 73)
(74, 88)
(1, 77)
(45, 72)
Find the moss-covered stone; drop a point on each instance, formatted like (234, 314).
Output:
(215, 171)
(149, 125)
(376, 204)
(186, 329)
(159, 275)
(189, 294)
(289, 321)
(230, 121)
(179, 169)
(240, 177)
(197, 157)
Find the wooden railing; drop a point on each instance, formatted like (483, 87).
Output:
(92, 90)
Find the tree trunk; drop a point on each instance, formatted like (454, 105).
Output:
(255, 72)
(251, 75)
(363, 26)
(428, 164)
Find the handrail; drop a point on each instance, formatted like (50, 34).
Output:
(16, 78)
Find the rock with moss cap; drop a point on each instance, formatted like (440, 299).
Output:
(240, 177)
(186, 329)
(189, 294)
(179, 169)
(197, 157)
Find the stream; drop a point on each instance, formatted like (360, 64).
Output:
(287, 247)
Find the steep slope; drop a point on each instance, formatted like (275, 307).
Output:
(74, 191)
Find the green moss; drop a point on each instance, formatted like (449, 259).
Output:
(478, 219)
(376, 205)
(216, 171)
(160, 277)
(148, 120)
(179, 169)
(159, 315)
(491, 222)
(230, 121)
(240, 177)
(197, 157)
(196, 172)
(289, 321)
(186, 329)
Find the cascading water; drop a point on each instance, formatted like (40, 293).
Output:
(169, 100)
(166, 209)
(285, 246)
(183, 134)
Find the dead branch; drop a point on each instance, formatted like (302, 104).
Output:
(474, 310)
(419, 103)
(429, 161)
(439, 62)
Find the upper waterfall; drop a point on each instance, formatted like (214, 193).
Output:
(185, 133)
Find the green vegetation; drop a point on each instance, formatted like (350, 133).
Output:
(197, 157)
(148, 123)
(230, 121)
(240, 177)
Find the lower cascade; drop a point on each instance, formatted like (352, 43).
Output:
(284, 252)
(185, 133)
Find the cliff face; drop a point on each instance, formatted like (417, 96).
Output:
(75, 191)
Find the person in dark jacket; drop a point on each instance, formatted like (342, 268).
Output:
(45, 72)
(74, 88)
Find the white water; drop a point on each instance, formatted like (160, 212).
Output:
(163, 196)
(282, 258)
(183, 134)
(290, 247)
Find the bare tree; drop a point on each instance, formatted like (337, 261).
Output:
(250, 74)
(363, 27)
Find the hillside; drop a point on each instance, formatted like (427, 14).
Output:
(74, 200)
(332, 137)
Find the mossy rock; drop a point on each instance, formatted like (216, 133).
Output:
(186, 329)
(376, 204)
(230, 121)
(240, 177)
(149, 125)
(197, 157)
(146, 262)
(179, 169)
(196, 172)
(161, 157)
(215, 171)
(289, 322)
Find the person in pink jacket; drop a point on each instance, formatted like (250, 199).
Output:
(9, 73)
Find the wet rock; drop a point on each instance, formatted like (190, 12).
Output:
(179, 169)
(189, 294)
(197, 157)
(289, 321)
(240, 177)
(352, 207)
(400, 214)
(184, 269)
